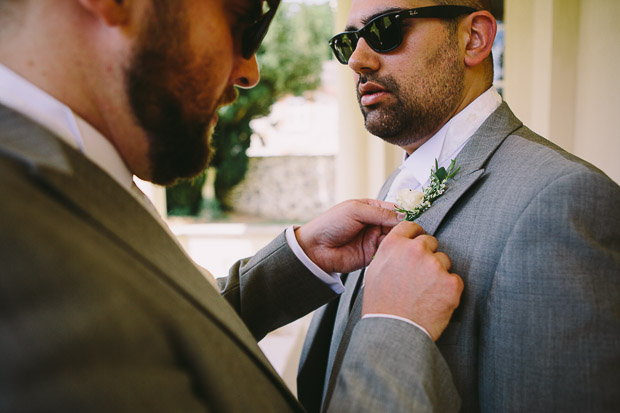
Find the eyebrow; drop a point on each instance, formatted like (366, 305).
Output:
(367, 19)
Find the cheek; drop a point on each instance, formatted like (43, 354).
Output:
(214, 58)
(202, 84)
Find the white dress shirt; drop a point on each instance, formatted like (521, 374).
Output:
(22, 96)
(445, 145)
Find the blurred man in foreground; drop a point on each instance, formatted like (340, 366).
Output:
(100, 309)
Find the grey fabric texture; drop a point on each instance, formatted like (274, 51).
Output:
(535, 234)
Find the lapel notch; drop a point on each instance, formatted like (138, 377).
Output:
(472, 160)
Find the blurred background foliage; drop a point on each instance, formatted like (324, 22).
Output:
(290, 61)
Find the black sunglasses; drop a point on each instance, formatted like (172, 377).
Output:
(254, 35)
(385, 32)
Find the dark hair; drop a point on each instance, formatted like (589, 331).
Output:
(476, 4)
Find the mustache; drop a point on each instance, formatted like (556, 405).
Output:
(229, 96)
(388, 83)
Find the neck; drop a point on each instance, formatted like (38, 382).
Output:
(51, 59)
(473, 90)
(72, 56)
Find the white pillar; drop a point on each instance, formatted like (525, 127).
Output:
(598, 91)
(363, 161)
(560, 61)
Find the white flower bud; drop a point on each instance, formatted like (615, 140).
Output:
(409, 199)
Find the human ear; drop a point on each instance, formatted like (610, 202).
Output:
(112, 12)
(481, 28)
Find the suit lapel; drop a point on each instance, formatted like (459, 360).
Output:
(97, 198)
(432, 218)
(343, 315)
(471, 160)
(314, 357)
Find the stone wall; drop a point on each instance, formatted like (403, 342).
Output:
(286, 188)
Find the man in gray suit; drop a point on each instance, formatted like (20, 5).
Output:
(100, 309)
(533, 230)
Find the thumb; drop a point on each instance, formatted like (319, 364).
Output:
(407, 229)
(374, 212)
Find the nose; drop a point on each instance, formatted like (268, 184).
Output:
(363, 59)
(245, 74)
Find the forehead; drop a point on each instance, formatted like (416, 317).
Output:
(364, 10)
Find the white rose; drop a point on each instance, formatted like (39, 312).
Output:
(409, 199)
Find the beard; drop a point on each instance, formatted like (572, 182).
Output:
(170, 97)
(422, 103)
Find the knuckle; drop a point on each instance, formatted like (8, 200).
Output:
(417, 247)
(444, 257)
(418, 228)
(455, 284)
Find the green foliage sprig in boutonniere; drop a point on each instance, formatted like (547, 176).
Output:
(414, 203)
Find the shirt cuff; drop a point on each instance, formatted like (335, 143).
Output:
(332, 280)
(406, 320)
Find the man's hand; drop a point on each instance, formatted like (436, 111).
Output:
(346, 237)
(408, 278)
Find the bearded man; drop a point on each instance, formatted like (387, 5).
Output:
(100, 309)
(533, 230)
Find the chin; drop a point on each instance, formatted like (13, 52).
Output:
(180, 157)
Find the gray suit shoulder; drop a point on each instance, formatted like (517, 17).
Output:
(546, 161)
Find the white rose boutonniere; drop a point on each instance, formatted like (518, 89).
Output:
(414, 203)
(409, 199)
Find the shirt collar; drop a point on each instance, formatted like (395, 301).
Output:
(22, 96)
(452, 137)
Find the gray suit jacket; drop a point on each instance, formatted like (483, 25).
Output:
(535, 234)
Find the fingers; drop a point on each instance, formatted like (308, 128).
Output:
(373, 212)
(460, 285)
(407, 229)
(430, 243)
(385, 204)
(444, 260)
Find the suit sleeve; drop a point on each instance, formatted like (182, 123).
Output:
(393, 366)
(273, 288)
(550, 338)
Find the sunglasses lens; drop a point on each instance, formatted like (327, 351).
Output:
(343, 46)
(383, 34)
(253, 36)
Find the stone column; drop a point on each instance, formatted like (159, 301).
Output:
(560, 62)
(598, 89)
(363, 161)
